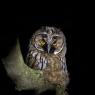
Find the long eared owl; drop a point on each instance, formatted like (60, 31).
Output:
(47, 49)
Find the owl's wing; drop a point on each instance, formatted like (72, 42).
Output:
(23, 76)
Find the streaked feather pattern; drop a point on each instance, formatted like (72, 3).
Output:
(53, 64)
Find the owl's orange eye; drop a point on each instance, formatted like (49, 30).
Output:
(42, 42)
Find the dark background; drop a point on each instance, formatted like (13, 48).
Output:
(23, 29)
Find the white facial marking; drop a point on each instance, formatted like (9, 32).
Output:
(57, 51)
(34, 54)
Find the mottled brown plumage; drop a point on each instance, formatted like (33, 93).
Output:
(54, 71)
(47, 49)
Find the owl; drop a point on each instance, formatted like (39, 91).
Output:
(47, 49)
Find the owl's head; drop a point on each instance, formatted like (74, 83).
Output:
(48, 39)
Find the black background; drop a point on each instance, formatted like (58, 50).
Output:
(23, 28)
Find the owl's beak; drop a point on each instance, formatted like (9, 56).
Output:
(50, 48)
(47, 47)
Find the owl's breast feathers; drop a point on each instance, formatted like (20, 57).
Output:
(52, 67)
(54, 72)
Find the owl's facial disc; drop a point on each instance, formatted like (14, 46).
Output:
(49, 40)
(48, 43)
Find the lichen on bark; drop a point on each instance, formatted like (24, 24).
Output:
(23, 76)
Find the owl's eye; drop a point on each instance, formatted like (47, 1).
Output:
(54, 44)
(42, 42)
